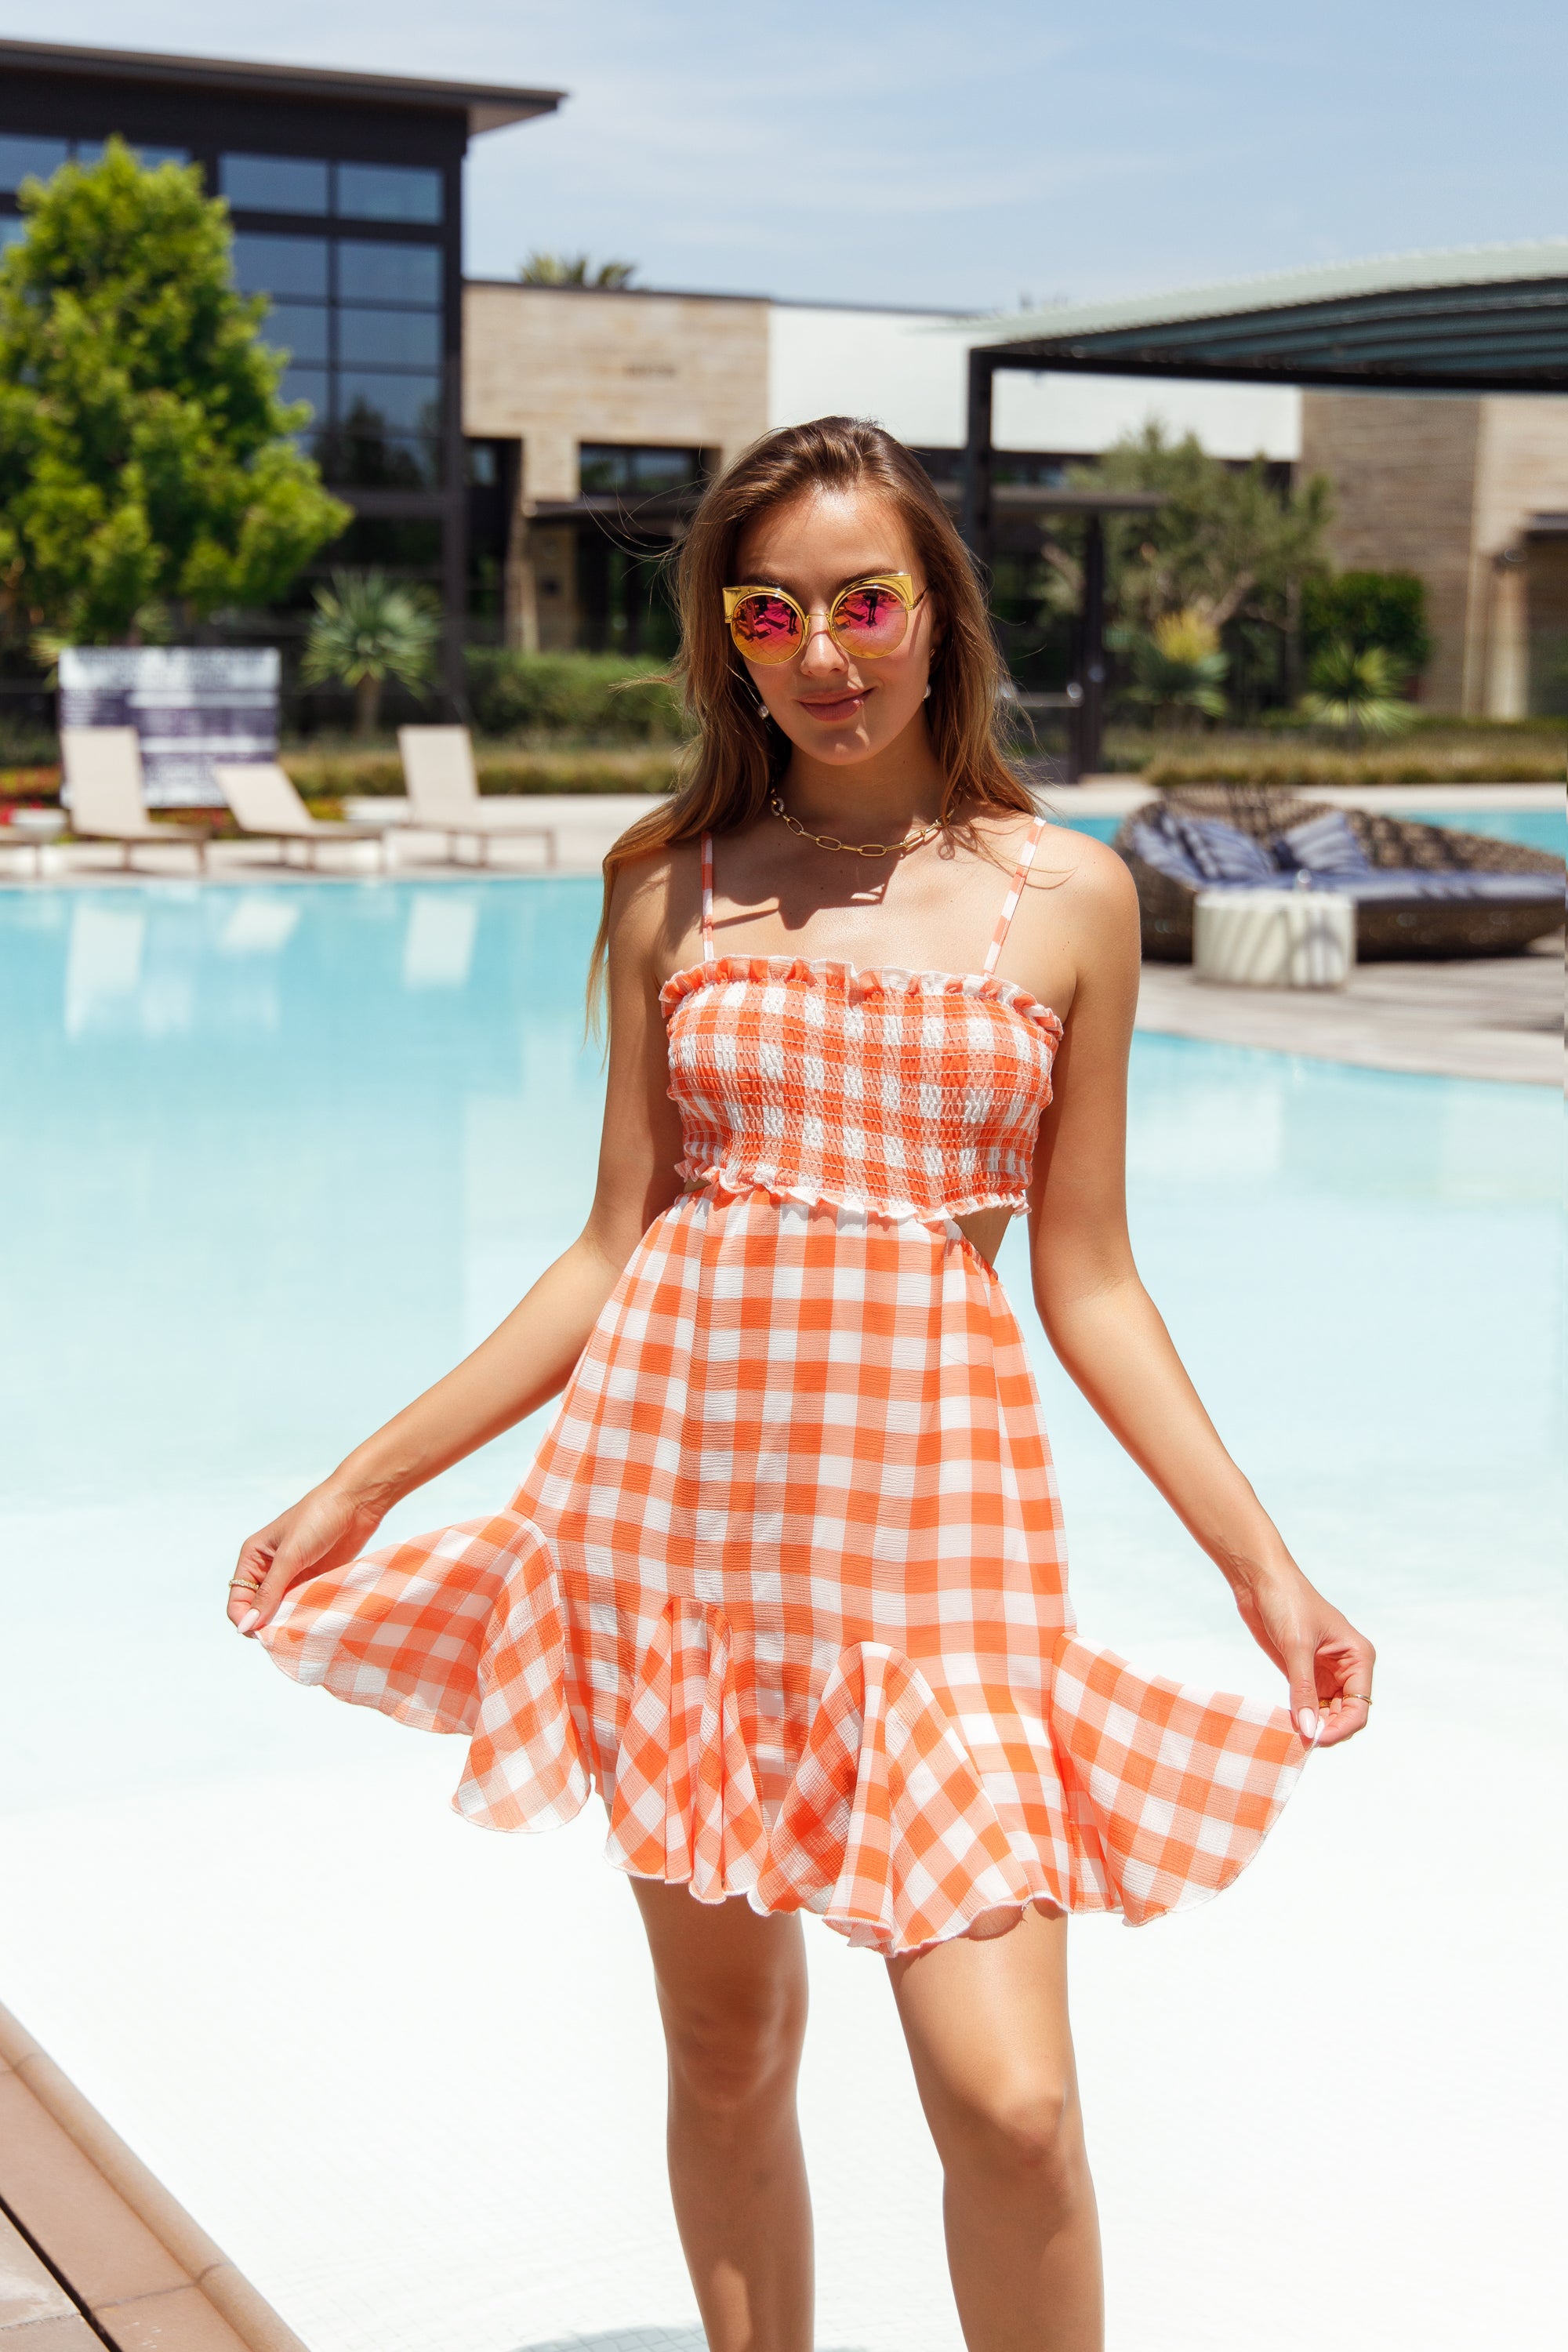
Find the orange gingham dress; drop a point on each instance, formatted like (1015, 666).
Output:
(786, 1579)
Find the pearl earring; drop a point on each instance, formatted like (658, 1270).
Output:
(926, 695)
(762, 706)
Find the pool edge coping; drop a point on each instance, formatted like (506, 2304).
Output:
(211, 2273)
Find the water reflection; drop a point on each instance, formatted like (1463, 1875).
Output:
(438, 946)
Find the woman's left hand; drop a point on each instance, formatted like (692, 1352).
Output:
(1326, 1662)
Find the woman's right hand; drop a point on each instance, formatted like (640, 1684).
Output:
(324, 1528)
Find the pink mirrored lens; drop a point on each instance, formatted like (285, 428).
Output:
(870, 620)
(766, 628)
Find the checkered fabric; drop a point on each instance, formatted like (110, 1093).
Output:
(787, 1581)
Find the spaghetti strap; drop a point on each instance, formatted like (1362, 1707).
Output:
(707, 898)
(1014, 892)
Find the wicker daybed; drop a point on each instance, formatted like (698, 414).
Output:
(1408, 880)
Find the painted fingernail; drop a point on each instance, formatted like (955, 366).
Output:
(251, 1617)
(1306, 1722)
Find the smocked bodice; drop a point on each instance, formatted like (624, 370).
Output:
(912, 1094)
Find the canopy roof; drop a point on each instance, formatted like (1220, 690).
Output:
(1490, 317)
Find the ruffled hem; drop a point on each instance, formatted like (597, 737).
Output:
(870, 980)
(734, 1183)
(1133, 1795)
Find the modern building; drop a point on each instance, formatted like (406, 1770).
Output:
(594, 416)
(535, 450)
(346, 192)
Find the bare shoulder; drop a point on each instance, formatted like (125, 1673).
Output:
(1102, 886)
(655, 905)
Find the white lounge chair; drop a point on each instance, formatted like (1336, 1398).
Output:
(267, 807)
(444, 794)
(103, 783)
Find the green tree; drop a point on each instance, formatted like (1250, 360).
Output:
(1226, 546)
(575, 269)
(146, 475)
(365, 629)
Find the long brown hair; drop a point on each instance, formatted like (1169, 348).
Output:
(736, 758)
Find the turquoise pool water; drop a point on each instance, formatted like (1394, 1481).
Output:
(275, 1157)
(1535, 828)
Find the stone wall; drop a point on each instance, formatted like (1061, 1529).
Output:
(552, 366)
(1403, 474)
(1446, 487)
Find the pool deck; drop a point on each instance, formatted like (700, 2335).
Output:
(93, 2250)
(1499, 1017)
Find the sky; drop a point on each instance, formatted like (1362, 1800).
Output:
(970, 154)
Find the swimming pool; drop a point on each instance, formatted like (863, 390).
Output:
(273, 1157)
(1543, 828)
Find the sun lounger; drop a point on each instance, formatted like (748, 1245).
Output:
(444, 794)
(1418, 889)
(103, 788)
(267, 807)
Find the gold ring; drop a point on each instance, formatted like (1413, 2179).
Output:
(1364, 1696)
(244, 1584)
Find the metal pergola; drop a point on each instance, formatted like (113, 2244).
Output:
(1485, 318)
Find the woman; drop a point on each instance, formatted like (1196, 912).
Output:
(786, 1579)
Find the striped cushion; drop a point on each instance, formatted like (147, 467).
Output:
(1221, 852)
(1155, 845)
(1325, 845)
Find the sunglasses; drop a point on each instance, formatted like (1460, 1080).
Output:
(867, 619)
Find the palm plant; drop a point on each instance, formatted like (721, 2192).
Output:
(1179, 668)
(1357, 691)
(575, 269)
(365, 629)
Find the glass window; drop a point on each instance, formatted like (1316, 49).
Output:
(89, 151)
(364, 457)
(399, 403)
(599, 468)
(390, 273)
(273, 184)
(305, 383)
(603, 466)
(401, 546)
(663, 470)
(388, 192)
(389, 338)
(280, 264)
(23, 159)
(299, 328)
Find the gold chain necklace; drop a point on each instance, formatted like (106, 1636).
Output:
(856, 848)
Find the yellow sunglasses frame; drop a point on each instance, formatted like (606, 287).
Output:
(900, 582)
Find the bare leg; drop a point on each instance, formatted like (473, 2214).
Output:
(986, 2025)
(731, 1992)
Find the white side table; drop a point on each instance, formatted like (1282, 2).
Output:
(1274, 939)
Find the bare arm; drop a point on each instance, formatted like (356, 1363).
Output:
(1109, 1334)
(528, 1358)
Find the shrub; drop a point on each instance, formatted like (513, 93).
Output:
(1356, 691)
(1179, 665)
(341, 775)
(1368, 611)
(585, 695)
